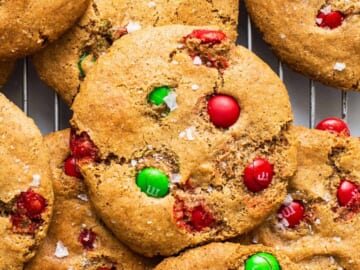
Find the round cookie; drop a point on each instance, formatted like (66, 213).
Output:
(26, 197)
(6, 68)
(318, 223)
(64, 64)
(169, 176)
(223, 256)
(76, 237)
(27, 26)
(318, 39)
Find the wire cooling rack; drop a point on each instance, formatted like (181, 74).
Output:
(311, 101)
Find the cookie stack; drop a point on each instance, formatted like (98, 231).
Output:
(181, 151)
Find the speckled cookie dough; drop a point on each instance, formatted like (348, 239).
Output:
(318, 223)
(182, 138)
(318, 38)
(26, 197)
(64, 64)
(6, 68)
(28, 26)
(224, 256)
(77, 239)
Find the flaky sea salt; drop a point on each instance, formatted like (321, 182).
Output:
(326, 10)
(170, 100)
(83, 197)
(188, 133)
(35, 180)
(337, 239)
(197, 61)
(61, 251)
(339, 66)
(195, 87)
(175, 178)
(133, 26)
(151, 4)
(288, 200)
(282, 36)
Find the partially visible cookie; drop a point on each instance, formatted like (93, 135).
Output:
(182, 138)
(27, 26)
(64, 64)
(224, 256)
(318, 224)
(318, 38)
(6, 67)
(77, 239)
(26, 197)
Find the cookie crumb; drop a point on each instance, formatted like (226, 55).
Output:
(339, 66)
(61, 251)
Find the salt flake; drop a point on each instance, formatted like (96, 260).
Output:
(83, 197)
(133, 26)
(339, 66)
(151, 4)
(197, 61)
(195, 87)
(61, 251)
(35, 180)
(170, 100)
(188, 133)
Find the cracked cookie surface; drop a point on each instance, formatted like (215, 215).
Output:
(105, 21)
(317, 38)
(28, 26)
(327, 184)
(229, 256)
(26, 197)
(168, 175)
(77, 239)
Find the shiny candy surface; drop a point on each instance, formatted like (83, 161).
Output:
(153, 182)
(158, 94)
(258, 175)
(334, 125)
(331, 20)
(291, 215)
(223, 110)
(262, 261)
(207, 36)
(346, 193)
(87, 238)
(70, 167)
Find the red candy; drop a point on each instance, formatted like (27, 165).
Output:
(30, 203)
(201, 219)
(70, 167)
(291, 214)
(258, 175)
(87, 238)
(332, 19)
(223, 110)
(207, 36)
(334, 125)
(82, 147)
(347, 193)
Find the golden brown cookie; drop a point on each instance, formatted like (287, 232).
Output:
(6, 67)
(27, 26)
(26, 197)
(318, 223)
(64, 64)
(318, 38)
(182, 138)
(224, 256)
(77, 239)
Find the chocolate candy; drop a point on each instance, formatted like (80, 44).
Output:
(346, 192)
(291, 215)
(258, 175)
(331, 20)
(262, 261)
(153, 182)
(223, 110)
(334, 125)
(158, 94)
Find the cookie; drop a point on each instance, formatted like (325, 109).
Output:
(182, 138)
(26, 192)
(27, 26)
(317, 225)
(6, 68)
(318, 38)
(64, 64)
(223, 256)
(76, 237)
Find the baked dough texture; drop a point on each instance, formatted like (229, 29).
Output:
(26, 198)
(328, 54)
(106, 21)
(119, 133)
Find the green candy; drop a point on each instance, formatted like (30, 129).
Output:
(262, 261)
(82, 73)
(153, 182)
(158, 94)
